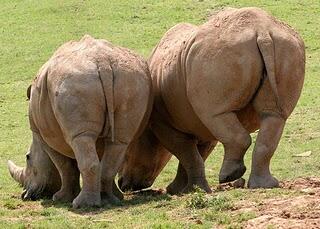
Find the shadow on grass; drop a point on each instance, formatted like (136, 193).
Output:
(130, 199)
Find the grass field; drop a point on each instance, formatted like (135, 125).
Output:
(31, 30)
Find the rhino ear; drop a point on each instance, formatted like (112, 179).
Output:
(29, 92)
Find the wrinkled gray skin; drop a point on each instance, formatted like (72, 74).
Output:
(242, 70)
(89, 102)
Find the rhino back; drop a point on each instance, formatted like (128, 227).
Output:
(70, 96)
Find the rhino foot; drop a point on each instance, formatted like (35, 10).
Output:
(201, 183)
(231, 170)
(87, 199)
(64, 196)
(110, 199)
(267, 181)
(179, 182)
(176, 187)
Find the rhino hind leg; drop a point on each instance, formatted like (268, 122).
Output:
(267, 141)
(227, 129)
(88, 162)
(111, 161)
(181, 179)
(69, 173)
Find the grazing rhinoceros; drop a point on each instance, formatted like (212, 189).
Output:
(242, 70)
(88, 102)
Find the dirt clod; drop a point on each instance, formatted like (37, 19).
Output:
(239, 183)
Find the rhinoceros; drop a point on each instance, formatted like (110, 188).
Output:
(88, 103)
(241, 71)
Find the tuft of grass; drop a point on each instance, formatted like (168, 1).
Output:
(199, 199)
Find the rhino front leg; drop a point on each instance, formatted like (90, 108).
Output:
(89, 165)
(69, 173)
(181, 179)
(185, 149)
(112, 158)
(266, 144)
(179, 182)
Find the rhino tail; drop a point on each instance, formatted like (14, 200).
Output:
(267, 50)
(107, 80)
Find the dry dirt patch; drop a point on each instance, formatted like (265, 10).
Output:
(298, 211)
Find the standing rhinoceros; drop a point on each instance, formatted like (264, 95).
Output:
(242, 70)
(88, 102)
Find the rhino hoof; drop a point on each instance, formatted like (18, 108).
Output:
(235, 174)
(63, 196)
(110, 199)
(267, 181)
(201, 183)
(87, 199)
(174, 189)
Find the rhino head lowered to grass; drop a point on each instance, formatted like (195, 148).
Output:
(39, 178)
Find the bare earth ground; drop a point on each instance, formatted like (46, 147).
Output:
(301, 211)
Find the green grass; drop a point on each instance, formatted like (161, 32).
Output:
(30, 31)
